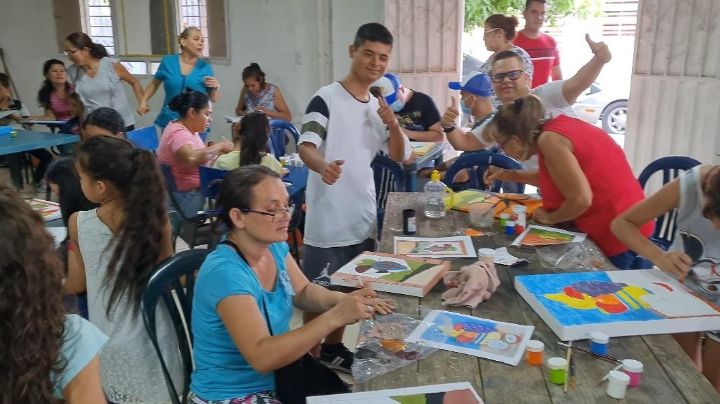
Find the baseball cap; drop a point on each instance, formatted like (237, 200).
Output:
(478, 84)
(389, 84)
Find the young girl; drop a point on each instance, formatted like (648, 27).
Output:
(113, 251)
(46, 355)
(695, 251)
(250, 145)
(103, 121)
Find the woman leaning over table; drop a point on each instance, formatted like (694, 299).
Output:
(97, 77)
(694, 253)
(584, 177)
(184, 70)
(245, 293)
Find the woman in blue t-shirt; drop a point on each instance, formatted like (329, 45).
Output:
(184, 70)
(245, 293)
(47, 355)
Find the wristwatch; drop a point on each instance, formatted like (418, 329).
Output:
(449, 129)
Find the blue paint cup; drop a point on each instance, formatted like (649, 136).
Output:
(509, 227)
(599, 342)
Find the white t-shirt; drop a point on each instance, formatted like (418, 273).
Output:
(343, 128)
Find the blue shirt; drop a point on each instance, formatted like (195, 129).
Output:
(221, 372)
(82, 341)
(174, 82)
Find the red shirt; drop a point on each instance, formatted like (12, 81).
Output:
(544, 55)
(614, 187)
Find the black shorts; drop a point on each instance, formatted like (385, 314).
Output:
(319, 263)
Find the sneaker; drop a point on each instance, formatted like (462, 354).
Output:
(336, 357)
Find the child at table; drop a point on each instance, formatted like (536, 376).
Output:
(694, 253)
(113, 251)
(250, 145)
(103, 121)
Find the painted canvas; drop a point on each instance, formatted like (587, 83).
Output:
(535, 236)
(461, 200)
(391, 273)
(489, 339)
(47, 209)
(449, 393)
(437, 247)
(618, 303)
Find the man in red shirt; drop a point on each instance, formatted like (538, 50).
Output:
(540, 46)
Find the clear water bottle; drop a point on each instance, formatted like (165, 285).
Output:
(434, 196)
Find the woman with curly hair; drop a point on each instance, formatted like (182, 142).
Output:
(694, 253)
(112, 253)
(45, 355)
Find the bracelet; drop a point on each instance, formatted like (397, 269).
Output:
(449, 129)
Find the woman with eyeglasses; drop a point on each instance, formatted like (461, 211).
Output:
(498, 36)
(97, 77)
(182, 149)
(583, 175)
(694, 253)
(245, 293)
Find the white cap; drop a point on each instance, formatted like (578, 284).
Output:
(631, 365)
(504, 215)
(535, 346)
(519, 208)
(599, 337)
(557, 362)
(510, 223)
(619, 377)
(486, 252)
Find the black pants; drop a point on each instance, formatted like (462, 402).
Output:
(15, 165)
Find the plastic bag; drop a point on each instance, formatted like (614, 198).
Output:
(382, 347)
(583, 255)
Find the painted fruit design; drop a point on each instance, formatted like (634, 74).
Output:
(382, 267)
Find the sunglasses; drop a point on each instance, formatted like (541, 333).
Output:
(512, 75)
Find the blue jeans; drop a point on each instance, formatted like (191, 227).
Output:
(189, 202)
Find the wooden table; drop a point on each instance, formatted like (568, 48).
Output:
(669, 375)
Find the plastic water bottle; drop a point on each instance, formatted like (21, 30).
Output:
(434, 194)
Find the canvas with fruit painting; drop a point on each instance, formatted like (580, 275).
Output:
(390, 273)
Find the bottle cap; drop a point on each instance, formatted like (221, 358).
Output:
(435, 176)
(486, 252)
(535, 346)
(557, 362)
(618, 377)
(599, 337)
(510, 223)
(504, 216)
(631, 365)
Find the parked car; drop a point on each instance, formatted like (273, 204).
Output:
(608, 107)
(470, 65)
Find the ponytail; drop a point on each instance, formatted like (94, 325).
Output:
(253, 71)
(254, 135)
(505, 23)
(81, 41)
(522, 118)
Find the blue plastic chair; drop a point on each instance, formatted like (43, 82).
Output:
(389, 177)
(477, 163)
(279, 129)
(210, 179)
(203, 136)
(144, 138)
(670, 167)
(174, 282)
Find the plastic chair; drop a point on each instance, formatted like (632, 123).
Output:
(279, 129)
(203, 136)
(389, 177)
(477, 163)
(210, 179)
(671, 167)
(193, 230)
(144, 138)
(173, 282)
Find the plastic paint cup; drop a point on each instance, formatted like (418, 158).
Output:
(486, 255)
(504, 217)
(509, 227)
(558, 370)
(617, 385)
(535, 350)
(599, 343)
(520, 215)
(634, 369)
(481, 214)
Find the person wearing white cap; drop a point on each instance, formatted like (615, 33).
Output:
(415, 111)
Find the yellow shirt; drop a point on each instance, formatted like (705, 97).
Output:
(231, 161)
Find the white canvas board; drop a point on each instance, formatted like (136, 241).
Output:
(435, 247)
(462, 392)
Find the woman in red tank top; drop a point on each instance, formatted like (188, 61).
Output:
(584, 176)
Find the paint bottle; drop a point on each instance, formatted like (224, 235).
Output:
(509, 227)
(535, 350)
(633, 369)
(486, 255)
(599, 343)
(409, 221)
(617, 385)
(558, 370)
(503, 218)
(520, 217)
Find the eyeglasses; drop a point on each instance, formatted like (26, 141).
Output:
(69, 52)
(276, 214)
(489, 31)
(512, 75)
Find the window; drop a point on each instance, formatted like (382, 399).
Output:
(97, 22)
(193, 13)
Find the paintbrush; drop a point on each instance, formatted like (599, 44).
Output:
(603, 357)
(572, 372)
(567, 365)
(377, 92)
